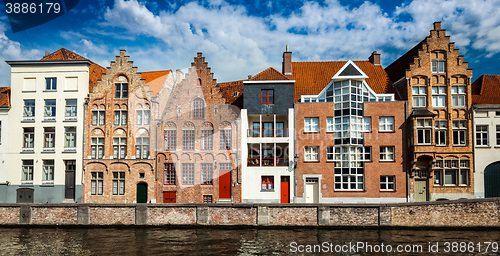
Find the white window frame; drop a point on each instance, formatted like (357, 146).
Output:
(438, 66)
(386, 155)
(48, 172)
(460, 130)
(330, 124)
(311, 153)
(71, 109)
(482, 135)
(386, 124)
(51, 84)
(28, 169)
(330, 153)
(143, 117)
(28, 139)
(438, 96)
(120, 118)
(49, 138)
(70, 138)
(50, 111)
(440, 132)
(311, 124)
(386, 181)
(29, 110)
(424, 129)
(119, 147)
(419, 96)
(367, 124)
(458, 96)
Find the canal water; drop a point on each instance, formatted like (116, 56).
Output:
(246, 241)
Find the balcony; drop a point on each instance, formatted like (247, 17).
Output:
(267, 161)
(268, 133)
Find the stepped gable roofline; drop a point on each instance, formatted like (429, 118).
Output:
(269, 74)
(486, 90)
(4, 97)
(155, 79)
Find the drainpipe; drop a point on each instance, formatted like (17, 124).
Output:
(85, 105)
(473, 110)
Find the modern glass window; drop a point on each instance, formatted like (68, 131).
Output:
(459, 132)
(386, 124)
(98, 117)
(142, 147)
(188, 139)
(96, 183)
(50, 109)
(267, 97)
(71, 108)
(69, 138)
(311, 153)
(387, 183)
(267, 182)
(481, 135)
(170, 140)
(118, 183)
(49, 138)
(119, 147)
(120, 118)
(438, 66)
(207, 199)
(169, 174)
(440, 132)
(367, 124)
(438, 96)
(330, 153)
(27, 171)
(458, 96)
(198, 108)
(187, 174)
(419, 96)
(29, 139)
(207, 139)
(142, 117)
(29, 110)
(121, 90)
(225, 139)
(311, 124)
(387, 153)
(424, 131)
(206, 174)
(97, 147)
(48, 171)
(51, 84)
(330, 126)
(451, 172)
(349, 168)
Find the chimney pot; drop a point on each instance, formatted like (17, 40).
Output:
(374, 58)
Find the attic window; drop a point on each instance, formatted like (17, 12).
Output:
(235, 94)
(198, 82)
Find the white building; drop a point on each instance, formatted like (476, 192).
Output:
(4, 138)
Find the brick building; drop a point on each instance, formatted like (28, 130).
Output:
(119, 163)
(436, 82)
(198, 152)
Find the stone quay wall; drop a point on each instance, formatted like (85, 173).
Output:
(459, 213)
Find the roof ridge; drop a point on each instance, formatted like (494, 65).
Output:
(254, 78)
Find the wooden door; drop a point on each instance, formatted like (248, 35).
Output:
(285, 189)
(169, 197)
(420, 190)
(70, 180)
(142, 193)
(492, 180)
(224, 184)
(312, 190)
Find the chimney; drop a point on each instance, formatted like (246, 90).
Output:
(374, 58)
(437, 25)
(287, 62)
(179, 75)
(46, 54)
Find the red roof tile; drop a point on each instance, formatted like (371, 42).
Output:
(4, 96)
(229, 88)
(269, 74)
(155, 80)
(486, 90)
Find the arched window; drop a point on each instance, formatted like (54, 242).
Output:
(198, 82)
(198, 108)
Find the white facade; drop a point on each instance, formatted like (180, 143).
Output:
(4, 147)
(255, 168)
(46, 148)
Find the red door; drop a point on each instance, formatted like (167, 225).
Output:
(225, 184)
(285, 189)
(168, 197)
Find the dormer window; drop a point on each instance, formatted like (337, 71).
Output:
(235, 94)
(267, 97)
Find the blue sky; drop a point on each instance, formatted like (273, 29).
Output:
(240, 38)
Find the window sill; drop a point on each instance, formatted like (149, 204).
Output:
(70, 91)
(481, 146)
(460, 145)
(47, 184)
(26, 184)
(69, 150)
(313, 132)
(267, 190)
(48, 151)
(28, 91)
(387, 191)
(28, 120)
(429, 144)
(442, 145)
(387, 161)
(311, 161)
(49, 120)
(386, 131)
(49, 90)
(28, 152)
(349, 190)
(169, 184)
(206, 184)
(70, 120)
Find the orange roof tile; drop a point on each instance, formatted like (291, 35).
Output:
(269, 74)
(4, 97)
(228, 89)
(486, 90)
(95, 71)
(155, 80)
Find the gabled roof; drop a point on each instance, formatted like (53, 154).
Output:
(269, 74)
(4, 97)
(486, 90)
(229, 88)
(312, 77)
(155, 80)
(95, 71)
(397, 69)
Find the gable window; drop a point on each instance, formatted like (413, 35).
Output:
(198, 82)
(51, 84)
(267, 96)
(142, 148)
(27, 172)
(118, 183)
(438, 96)
(441, 131)
(267, 182)
(29, 110)
(311, 124)
(120, 117)
(71, 108)
(424, 131)
(119, 147)
(98, 117)
(188, 174)
(330, 126)
(458, 96)
(387, 183)
(97, 148)
(419, 96)
(29, 139)
(142, 117)
(206, 174)
(96, 183)
(481, 135)
(170, 140)
(49, 138)
(198, 108)
(70, 138)
(207, 139)
(225, 139)
(311, 153)
(459, 131)
(50, 110)
(386, 124)
(121, 90)
(169, 174)
(48, 172)
(188, 139)
(387, 153)
(437, 66)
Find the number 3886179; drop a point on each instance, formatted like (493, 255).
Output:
(32, 7)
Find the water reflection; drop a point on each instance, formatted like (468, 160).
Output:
(210, 241)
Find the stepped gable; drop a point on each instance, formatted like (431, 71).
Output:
(486, 90)
(397, 69)
(4, 97)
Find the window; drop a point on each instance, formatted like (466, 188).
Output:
(49, 134)
(29, 139)
(70, 138)
(0, 131)
(267, 129)
(50, 109)
(96, 183)
(29, 110)
(330, 126)
(48, 172)
(386, 124)
(225, 139)
(98, 117)
(51, 84)
(437, 66)
(438, 96)
(142, 117)
(330, 153)
(424, 131)
(387, 183)
(198, 82)
(206, 174)
(71, 108)
(387, 153)
(188, 174)
(451, 172)
(198, 108)
(498, 135)
(419, 96)
(459, 131)
(142, 148)
(27, 172)
(267, 183)
(481, 135)
(458, 96)
(367, 124)
(121, 90)
(207, 139)
(170, 140)
(97, 148)
(311, 124)
(441, 131)
(169, 174)
(118, 183)
(368, 153)
(119, 148)
(311, 154)
(349, 171)
(188, 139)
(207, 199)
(225, 166)
(120, 117)
(267, 97)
